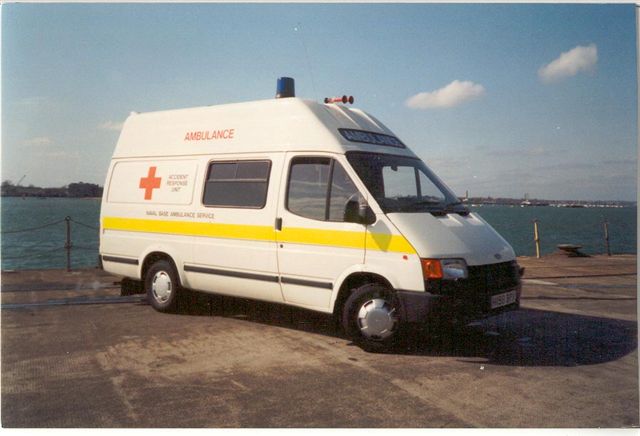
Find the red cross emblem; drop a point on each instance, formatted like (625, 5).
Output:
(150, 183)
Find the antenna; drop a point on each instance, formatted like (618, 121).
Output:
(298, 29)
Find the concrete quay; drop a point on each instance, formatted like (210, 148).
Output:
(77, 354)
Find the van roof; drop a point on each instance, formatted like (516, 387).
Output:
(284, 124)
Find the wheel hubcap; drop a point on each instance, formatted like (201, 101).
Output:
(377, 319)
(161, 286)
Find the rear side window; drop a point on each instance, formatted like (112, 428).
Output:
(240, 184)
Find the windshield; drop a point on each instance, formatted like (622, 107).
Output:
(401, 184)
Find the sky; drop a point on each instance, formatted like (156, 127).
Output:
(499, 100)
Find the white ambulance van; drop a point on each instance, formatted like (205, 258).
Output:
(302, 203)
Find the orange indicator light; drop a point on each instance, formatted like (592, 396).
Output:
(431, 269)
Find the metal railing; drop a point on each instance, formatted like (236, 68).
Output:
(605, 234)
(68, 244)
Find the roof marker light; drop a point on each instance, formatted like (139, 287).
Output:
(343, 99)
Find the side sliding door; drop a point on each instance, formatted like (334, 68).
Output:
(235, 248)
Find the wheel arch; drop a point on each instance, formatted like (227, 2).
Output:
(155, 255)
(352, 281)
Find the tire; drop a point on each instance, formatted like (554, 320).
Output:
(370, 317)
(162, 285)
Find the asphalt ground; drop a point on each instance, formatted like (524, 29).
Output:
(77, 354)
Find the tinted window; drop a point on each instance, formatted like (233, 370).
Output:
(399, 181)
(428, 190)
(401, 184)
(237, 184)
(308, 186)
(308, 191)
(223, 171)
(342, 190)
(253, 170)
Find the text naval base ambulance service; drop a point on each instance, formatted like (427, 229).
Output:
(291, 201)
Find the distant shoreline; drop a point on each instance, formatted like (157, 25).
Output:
(72, 190)
(472, 202)
(52, 197)
(490, 201)
(92, 190)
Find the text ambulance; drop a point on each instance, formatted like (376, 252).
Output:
(291, 201)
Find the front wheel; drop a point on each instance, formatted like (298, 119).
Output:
(370, 317)
(162, 285)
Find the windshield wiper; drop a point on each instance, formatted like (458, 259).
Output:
(427, 201)
(450, 207)
(429, 205)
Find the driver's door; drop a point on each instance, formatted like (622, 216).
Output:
(315, 245)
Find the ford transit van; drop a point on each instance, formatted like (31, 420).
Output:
(315, 205)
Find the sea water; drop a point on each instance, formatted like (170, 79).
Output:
(34, 230)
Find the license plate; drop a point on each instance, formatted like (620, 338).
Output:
(503, 299)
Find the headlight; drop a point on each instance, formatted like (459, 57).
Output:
(454, 269)
(447, 269)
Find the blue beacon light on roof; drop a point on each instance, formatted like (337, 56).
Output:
(285, 87)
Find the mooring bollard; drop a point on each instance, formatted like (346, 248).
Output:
(67, 244)
(536, 238)
(606, 237)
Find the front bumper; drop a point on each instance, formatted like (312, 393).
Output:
(463, 300)
(424, 306)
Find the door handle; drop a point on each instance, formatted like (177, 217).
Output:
(278, 224)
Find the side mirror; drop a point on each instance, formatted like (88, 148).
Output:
(360, 213)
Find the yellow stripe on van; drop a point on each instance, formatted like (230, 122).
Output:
(333, 238)
(387, 242)
(338, 238)
(232, 231)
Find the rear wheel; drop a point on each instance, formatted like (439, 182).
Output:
(163, 286)
(370, 317)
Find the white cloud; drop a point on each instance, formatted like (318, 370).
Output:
(570, 63)
(453, 94)
(111, 125)
(38, 141)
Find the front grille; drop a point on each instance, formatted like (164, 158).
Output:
(471, 298)
(483, 280)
